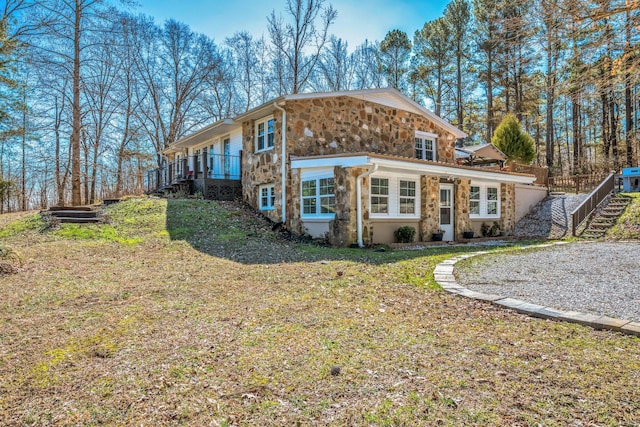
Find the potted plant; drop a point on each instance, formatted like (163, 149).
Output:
(438, 235)
(468, 234)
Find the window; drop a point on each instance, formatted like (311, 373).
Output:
(425, 146)
(474, 200)
(379, 195)
(484, 201)
(267, 197)
(394, 197)
(318, 197)
(264, 134)
(407, 197)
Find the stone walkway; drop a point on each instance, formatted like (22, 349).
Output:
(591, 283)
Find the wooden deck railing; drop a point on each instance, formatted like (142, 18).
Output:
(582, 212)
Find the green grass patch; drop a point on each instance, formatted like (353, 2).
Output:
(31, 223)
(213, 316)
(628, 225)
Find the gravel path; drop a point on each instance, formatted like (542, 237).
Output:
(551, 218)
(591, 277)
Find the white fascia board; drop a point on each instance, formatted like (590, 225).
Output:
(330, 161)
(400, 166)
(454, 172)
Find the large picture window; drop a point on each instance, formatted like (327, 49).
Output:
(425, 146)
(484, 201)
(394, 197)
(318, 197)
(264, 134)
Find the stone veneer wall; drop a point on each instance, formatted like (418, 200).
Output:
(348, 125)
(461, 191)
(343, 230)
(507, 207)
(263, 168)
(430, 201)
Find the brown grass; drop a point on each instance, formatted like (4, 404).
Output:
(197, 314)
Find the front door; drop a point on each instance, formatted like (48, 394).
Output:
(446, 211)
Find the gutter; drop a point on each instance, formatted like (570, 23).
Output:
(283, 157)
(359, 201)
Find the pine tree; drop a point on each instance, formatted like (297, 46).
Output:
(513, 141)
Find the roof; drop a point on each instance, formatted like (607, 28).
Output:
(219, 128)
(389, 97)
(410, 165)
(483, 151)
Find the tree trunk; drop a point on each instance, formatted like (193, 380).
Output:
(489, 96)
(76, 199)
(628, 110)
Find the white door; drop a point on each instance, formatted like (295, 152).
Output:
(446, 211)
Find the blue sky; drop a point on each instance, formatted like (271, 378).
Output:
(357, 19)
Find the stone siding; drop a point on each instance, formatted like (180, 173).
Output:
(263, 168)
(507, 207)
(430, 201)
(462, 189)
(348, 125)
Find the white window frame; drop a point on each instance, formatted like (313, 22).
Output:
(375, 183)
(422, 138)
(318, 196)
(394, 196)
(265, 122)
(271, 197)
(484, 201)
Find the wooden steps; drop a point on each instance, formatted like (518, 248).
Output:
(606, 218)
(75, 214)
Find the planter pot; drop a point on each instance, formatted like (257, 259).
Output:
(437, 237)
(467, 234)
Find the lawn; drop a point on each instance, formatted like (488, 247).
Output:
(187, 312)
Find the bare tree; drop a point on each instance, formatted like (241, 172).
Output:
(291, 39)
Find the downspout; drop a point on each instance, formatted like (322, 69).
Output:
(359, 201)
(283, 157)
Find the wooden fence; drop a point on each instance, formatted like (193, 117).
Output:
(576, 183)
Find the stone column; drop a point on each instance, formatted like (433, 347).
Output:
(462, 189)
(343, 229)
(507, 207)
(429, 201)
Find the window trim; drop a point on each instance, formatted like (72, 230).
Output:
(265, 121)
(427, 136)
(394, 196)
(271, 195)
(317, 197)
(484, 200)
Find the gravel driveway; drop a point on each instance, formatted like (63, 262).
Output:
(592, 277)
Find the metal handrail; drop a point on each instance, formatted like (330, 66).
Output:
(593, 200)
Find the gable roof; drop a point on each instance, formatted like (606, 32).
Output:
(219, 128)
(389, 97)
(482, 151)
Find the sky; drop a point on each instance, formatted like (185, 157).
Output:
(358, 20)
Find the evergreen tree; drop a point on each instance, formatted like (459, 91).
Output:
(513, 141)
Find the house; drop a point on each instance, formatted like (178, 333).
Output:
(206, 162)
(353, 166)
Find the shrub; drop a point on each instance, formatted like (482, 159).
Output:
(404, 234)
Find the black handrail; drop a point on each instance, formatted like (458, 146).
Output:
(593, 200)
